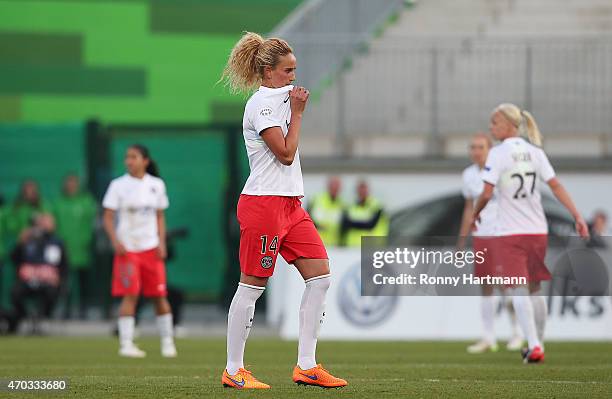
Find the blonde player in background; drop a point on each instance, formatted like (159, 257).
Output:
(480, 144)
(271, 218)
(515, 167)
(139, 199)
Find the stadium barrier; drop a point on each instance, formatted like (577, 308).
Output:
(350, 316)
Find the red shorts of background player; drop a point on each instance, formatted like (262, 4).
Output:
(523, 256)
(486, 245)
(137, 273)
(270, 225)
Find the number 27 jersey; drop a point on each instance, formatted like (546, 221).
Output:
(517, 169)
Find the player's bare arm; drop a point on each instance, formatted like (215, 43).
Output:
(563, 196)
(161, 229)
(284, 148)
(109, 228)
(483, 200)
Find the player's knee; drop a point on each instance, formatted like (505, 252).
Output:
(321, 268)
(253, 280)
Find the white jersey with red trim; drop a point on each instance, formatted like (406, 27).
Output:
(267, 108)
(473, 185)
(516, 168)
(136, 202)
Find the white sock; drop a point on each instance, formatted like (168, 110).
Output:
(312, 312)
(126, 330)
(239, 322)
(487, 312)
(540, 312)
(524, 314)
(165, 327)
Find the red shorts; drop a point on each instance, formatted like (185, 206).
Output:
(270, 225)
(489, 266)
(523, 256)
(139, 272)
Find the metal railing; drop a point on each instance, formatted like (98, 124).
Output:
(444, 86)
(351, 22)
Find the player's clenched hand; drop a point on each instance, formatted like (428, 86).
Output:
(582, 228)
(475, 222)
(119, 248)
(298, 96)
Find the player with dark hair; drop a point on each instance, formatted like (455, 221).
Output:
(139, 199)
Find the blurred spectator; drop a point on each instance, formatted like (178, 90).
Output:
(75, 212)
(366, 217)
(40, 261)
(326, 211)
(598, 228)
(28, 202)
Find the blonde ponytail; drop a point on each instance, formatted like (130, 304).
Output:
(533, 132)
(524, 122)
(245, 66)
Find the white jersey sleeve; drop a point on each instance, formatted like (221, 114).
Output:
(264, 116)
(111, 198)
(545, 168)
(493, 167)
(162, 198)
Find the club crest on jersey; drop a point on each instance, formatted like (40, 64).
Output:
(266, 111)
(266, 262)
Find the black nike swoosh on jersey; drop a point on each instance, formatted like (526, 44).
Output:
(287, 99)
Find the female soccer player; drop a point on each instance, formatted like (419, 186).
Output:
(473, 185)
(271, 218)
(515, 168)
(139, 241)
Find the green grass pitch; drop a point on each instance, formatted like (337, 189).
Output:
(373, 369)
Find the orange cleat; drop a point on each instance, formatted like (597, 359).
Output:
(243, 379)
(317, 376)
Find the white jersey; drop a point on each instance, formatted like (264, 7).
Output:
(136, 202)
(269, 108)
(516, 167)
(473, 185)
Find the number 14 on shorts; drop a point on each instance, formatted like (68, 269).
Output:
(273, 245)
